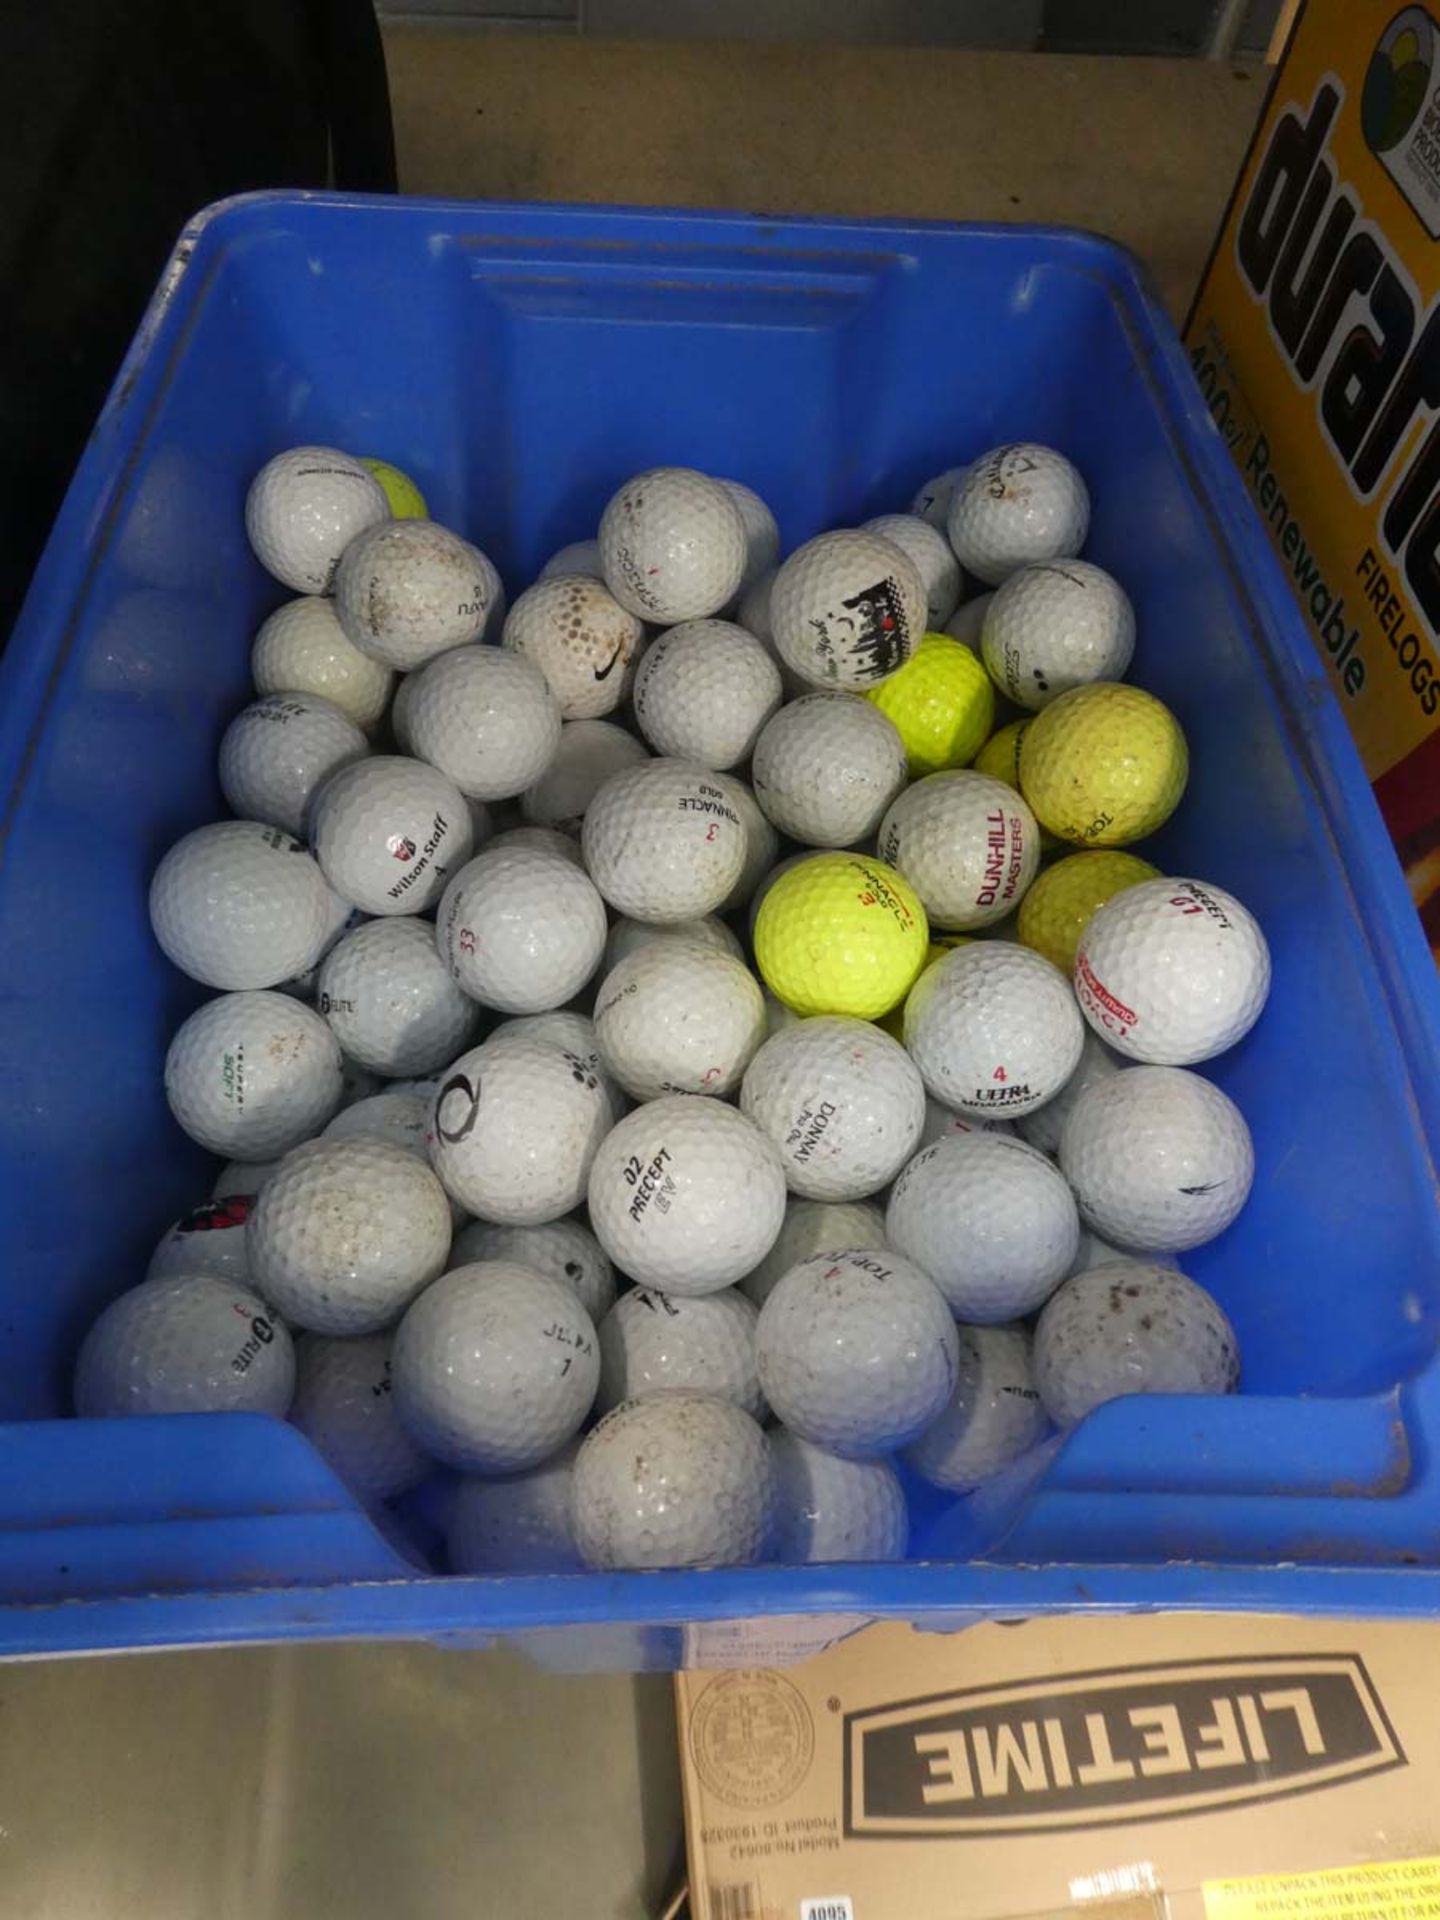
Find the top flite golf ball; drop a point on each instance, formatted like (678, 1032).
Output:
(303, 510)
(968, 845)
(1172, 972)
(580, 637)
(388, 832)
(838, 933)
(1057, 626)
(485, 717)
(1017, 506)
(238, 904)
(704, 690)
(408, 590)
(662, 842)
(1103, 764)
(847, 609)
(673, 545)
(994, 1029)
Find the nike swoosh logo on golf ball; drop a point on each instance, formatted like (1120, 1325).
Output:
(604, 673)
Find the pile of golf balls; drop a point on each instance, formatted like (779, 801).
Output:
(694, 1057)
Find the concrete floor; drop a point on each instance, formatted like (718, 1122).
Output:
(398, 1781)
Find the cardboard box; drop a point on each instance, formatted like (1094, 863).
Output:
(1316, 339)
(1236, 1767)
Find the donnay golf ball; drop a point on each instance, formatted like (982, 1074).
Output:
(968, 845)
(847, 609)
(1016, 506)
(941, 704)
(1055, 626)
(839, 933)
(408, 590)
(1103, 765)
(994, 1029)
(1056, 911)
(673, 545)
(304, 508)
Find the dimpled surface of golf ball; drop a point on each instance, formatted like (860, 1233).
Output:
(680, 1479)
(485, 717)
(815, 1226)
(1017, 505)
(345, 1406)
(580, 637)
(936, 564)
(409, 590)
(588, 753)
(827, 1508)
(523, 1523)
(1057, 909)
(839, 933)
(652, 1342)
(1057, 626)
(941, 704)
(514, 1129)
(857, 1352)
(842, 1103)
(662, 842)
(826, 767)
(390, 1001)
(388, 832)
(626, 937)
(704, 690)
(405, 499)
(932, 502)
(250, 1075)
(580, 556)
(995, 1413)
(686, 1195)
(994, 1029)
(572, 1032)
(303, 510)
(209, 1239)
(1103, 765)
(279, 750)
(1044, 1126)
(1157, 1157)
(520, 931)
(1131, 1327)
(673, 545)
(561, 1248)
(395, 1116)
(967, 845)
(1172, 972)
(240, 904)
(941, 1122)
(847, 609)
(967, 624)
(494, 1367)
(990, 1220)
(242, 1178)
(185, 1343)
(678, 1018)
(302, 648)
(346, 1234)
(762, 535)
(762, 843)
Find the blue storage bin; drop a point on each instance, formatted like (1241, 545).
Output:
(521, 361)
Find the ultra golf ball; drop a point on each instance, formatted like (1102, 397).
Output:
(994, 1029)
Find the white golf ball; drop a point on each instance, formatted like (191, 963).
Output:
(942, 1123)
(242, 1178)
(857, 1352)
(239, 904)
(185, 1343)
(1157, 1157)
(1130, 1327)
(762, 535)
(520, 931)
(927, 546)
(209, 1239)
(411, 590)
(548, 840)
(675, 1480)
(588, 753)
(523, 1523)
(1172, 972)
(345, 1406)
(662, 842)
(570, 1031)
(495, 1367)
(815, 1226)
(847, 609)
(968, 845)
(580, 637)
(673, 545)
(391, 1002)
(302, 648)
(653, 1342)
(827, 1508)
(401, 1118)
(1095, 1252)
(994, 1415)
(990, 1220)
(304, 508)
(678, 1018)
(826, 767)
(762, 843)
(703, 691)
(485, 717)
(388, 832)
(561, 1248)
(1017, 506)
(967, 623)
(276, 753)
(514, 1129)
(1044, 1126)
(626, 937)
(842, 1103)
(686, 1195)
(994, 1029)
(1055, 626)
(932, 502)
(753, 610)
(346, 1234)
(581, 556)
(251, 1075)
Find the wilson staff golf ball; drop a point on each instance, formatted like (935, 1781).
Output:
(388, 832)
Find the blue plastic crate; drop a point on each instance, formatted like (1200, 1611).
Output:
(521, 361)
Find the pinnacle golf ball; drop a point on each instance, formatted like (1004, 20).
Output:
(653, 1342)
(303, 510)
(250, 1075)
(1103, 765)
(673, 545)
(185, 1343)
(936, 564)
(829, 1509)
(815, 1226)
(588, 753)
(522, 1523)
(847, 609)
(388, 832)
(1017, 506)
(520, 931)
(994, 1415)
(580, 637)
(1056, 911)
(302, 648)
(941, 703)
(275, 753)
(391, 1002)
(239, 904)
(703, 691)
(826, 767)
(662, 842)
(994, 1030)
(762, 535)
(839, 933)
(967, 845)
(345, 1407)
(564, 1249)
(674, 1017)
(409, 590)
(1055, 626)
(484, 716)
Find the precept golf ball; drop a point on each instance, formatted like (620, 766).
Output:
(520, 931)
(580, 637)
(275, 753)
(994, 1415)
(673, 545)
(830, 1509)
(345, 1407)
(968, 845)
(484, 716)
(588, 753)
(388, 832)
(304, 508)
(703, 691)
(522, 1523)
(941, 703)
(409, 590)
(1057, 909)
(839, 933)
(994, 1029)
(1103, 765)
(662, 842)
(815, 1226)
(935, 562)
(1055, 626)
(847, 609)
(653, 1342)
(674, 1017)
(250, 1075)
(1016, 506)
(185, 1343)
(561, 1248)
(239, 904)
(391, 1002)
(826, 767)
(302, 648)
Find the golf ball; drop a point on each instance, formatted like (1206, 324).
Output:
(839, 933)
(1055, 626)
(588, 753)
(846, 609)
(391, 1002)
(815, 1226)
(941, 704)
(303, 510)
(994, 1029)
(828, 1509)
(486, 718)
(185, 1343)
(580, 637)
(523, 1523)
(1016, 506)
(250, 1075)
(934, 560)
(520, 931)
(1130, 1327)
(238, 904)
(388, 832)
(1057, 909)
(703, 691)
(564, 1249)
(662, 842)
(209, 1239)
(302, 648)
(653, 1342)
(409, 590)
(276, 753)
(826, 767)
(673, 545)
(968, 845)
(674, 1017)
(762, 535)
(1103, 765)
(345, 1406)
(994, 1415)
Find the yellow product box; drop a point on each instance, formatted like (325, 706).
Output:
(1316, 339)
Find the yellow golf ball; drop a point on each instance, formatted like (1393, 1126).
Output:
(941, 703)
(840, 933)
(1104, 764)
(1057, 909)
(406, 500)
(1000, 758)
